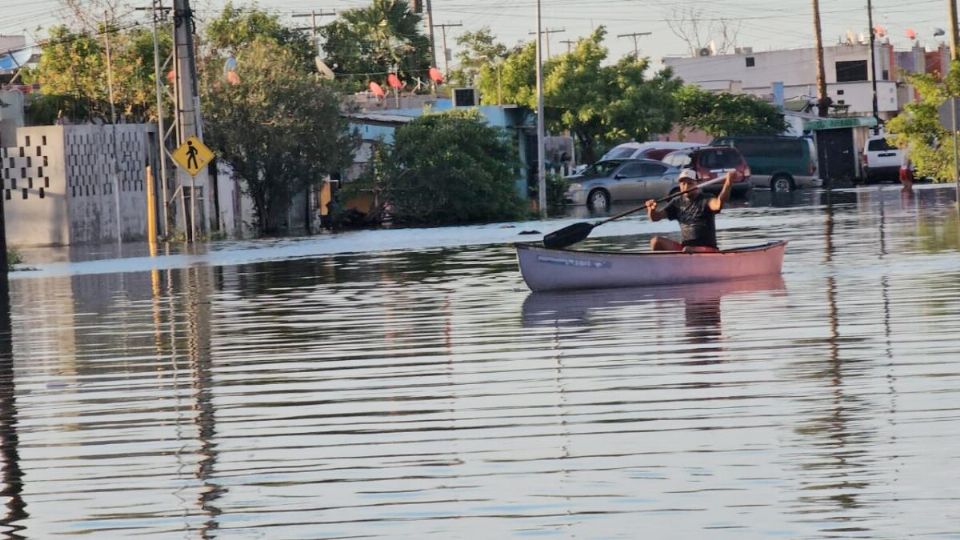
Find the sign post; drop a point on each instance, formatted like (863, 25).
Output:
(948, 119)
(192, 156)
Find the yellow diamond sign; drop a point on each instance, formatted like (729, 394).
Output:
(192, 155)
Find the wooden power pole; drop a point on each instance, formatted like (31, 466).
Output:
(636, 44)
(954, 32)
(823, 100)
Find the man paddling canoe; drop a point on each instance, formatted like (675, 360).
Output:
(695, 213)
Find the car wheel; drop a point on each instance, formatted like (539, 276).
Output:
(781, 184)
(598, 200)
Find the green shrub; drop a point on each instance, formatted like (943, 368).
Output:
(449, 168)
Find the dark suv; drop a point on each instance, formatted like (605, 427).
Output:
(711, 162)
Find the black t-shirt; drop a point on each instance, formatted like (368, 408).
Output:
(697, 226)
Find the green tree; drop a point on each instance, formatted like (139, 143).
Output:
(599, 104)
(236, 28)
(477, 50)
(278, 128)
(918, 128)
(366, 44)
(446, 169)
(72, 73)
(723, 113)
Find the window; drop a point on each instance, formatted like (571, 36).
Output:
(879, 145)
(631, 170)
(652, 169)
(600, 168)
(751, 61)
(678, 159)
(621, 153)
(719, 159)
(852, 71)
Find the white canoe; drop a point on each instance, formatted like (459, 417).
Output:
(562, 269)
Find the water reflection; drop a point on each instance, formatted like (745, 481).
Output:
(12, 489)
(428, 394)
(700, 301)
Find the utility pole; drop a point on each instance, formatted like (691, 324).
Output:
(541, 154)
(160, 14)
(433, 43)
(954, 56)
(446, 57)
(636, 46)
(548, 31)
(569, 43)
(313, 24)
(187, 109)
(113, 126)
(873, 65)
(954, 32)
(823, 100)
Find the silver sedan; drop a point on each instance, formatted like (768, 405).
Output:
(618, 180)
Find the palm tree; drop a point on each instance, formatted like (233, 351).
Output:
(368, 43)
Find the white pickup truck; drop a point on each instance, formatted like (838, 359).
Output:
(880, 160)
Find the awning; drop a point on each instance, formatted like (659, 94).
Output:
(839, 123)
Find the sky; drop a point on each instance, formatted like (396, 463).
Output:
(760, 24)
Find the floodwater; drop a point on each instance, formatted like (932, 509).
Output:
(406, 384)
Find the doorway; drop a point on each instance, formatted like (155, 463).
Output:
(836, 156)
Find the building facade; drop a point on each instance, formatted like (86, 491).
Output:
(848, 69)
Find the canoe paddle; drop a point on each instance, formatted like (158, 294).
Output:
(577, 232)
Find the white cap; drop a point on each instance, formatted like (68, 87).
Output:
(689, 174)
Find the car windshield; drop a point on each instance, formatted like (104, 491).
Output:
(879, 145)
(601, 168)
(620, 153)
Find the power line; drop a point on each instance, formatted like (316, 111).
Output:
(635, 35)
(446, 53)
(313, 24)
(547, 32)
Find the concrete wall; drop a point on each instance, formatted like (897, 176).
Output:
(58, 186)
(11, 116)
(92, 195)
(34, 201)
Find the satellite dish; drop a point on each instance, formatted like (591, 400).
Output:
(704, 52)
(323, 69)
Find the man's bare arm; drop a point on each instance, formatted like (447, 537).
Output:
(716, 203)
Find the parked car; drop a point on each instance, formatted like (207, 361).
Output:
(618, 180)
(779, 163)
(880, 160)
(711, 162)
(648, 150)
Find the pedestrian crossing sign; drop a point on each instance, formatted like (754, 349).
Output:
(192, 155)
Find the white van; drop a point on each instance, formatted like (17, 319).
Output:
(649, 150)
(880, 160)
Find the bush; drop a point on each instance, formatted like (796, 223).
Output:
(448, 168)
(13, 258)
